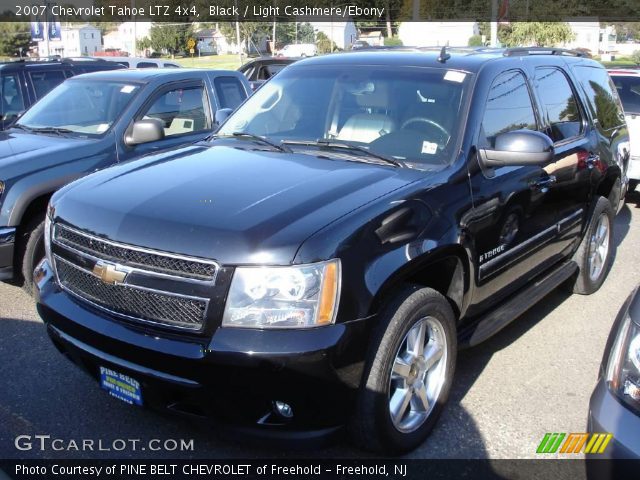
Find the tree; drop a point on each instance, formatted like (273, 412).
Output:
(475, 41)
(324, 43)
(170, 37)
(635, 56)
(542, 34)
(143, 44)
(15, 38)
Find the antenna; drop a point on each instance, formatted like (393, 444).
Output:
(444, 56)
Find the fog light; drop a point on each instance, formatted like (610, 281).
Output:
(283, 409)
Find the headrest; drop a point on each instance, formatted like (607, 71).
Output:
(378, 97)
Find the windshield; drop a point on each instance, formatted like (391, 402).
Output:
(628, 91)
(410, 114)
(81, 106)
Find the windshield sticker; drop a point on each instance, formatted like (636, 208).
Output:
(429, 147)
(127, 89)
(102, 128)
(457, 77)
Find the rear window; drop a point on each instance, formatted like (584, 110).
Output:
(603, 99)
(146, 65)
(559, 103)
(229, 91)
(628, 88)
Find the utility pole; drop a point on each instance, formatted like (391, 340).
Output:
(238, 34)
(494, 23)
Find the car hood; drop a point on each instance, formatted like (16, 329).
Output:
(17, 146)
(235, 206)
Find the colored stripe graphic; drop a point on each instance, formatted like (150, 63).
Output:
(574, 443)
(550, 443)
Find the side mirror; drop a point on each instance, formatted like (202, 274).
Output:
(222, 114)
(145, 131)
(518, 148)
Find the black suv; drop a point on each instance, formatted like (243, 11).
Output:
(23, 83)
(323, 257)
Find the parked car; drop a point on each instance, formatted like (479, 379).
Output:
(88, 123)
(615, 403)
(360, 44)
(22, 83)
(627, 82)
(354, 222)
(262, 69)
(298, 50)
(142, 62)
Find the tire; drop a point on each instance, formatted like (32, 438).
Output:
(590, 277)
(32, 252)
(372, 426)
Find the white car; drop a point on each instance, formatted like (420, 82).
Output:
(298, 50)
(627, 82)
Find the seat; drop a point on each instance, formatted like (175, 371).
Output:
(367, 126)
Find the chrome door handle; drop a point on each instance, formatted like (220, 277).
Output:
(544, 184)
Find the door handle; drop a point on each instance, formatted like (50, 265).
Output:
(544, 184)
(592, 160)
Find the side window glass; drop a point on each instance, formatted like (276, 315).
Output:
(182, 110)
(603, 99)
(230, 92)
(44, 82)
(11, 101)
(146, 65)
(508, 108)
(559, 104)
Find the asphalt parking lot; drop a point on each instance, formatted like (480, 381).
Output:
(534, 377)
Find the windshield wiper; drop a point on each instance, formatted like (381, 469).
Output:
(56, 130)
(257, 138)
(324, 143)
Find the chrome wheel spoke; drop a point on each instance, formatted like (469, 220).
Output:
(401, 368)
(416, 338)
(399, 403)
(420, 401)
(432, 355)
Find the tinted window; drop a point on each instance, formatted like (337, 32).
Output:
(559, 104)
(171, 65)
(146, 65)
(182, 110)
(11, 102)
(603, 99)
(628, 91)
(508, 108)
(44, 82)
(275, 68)
(230, 92)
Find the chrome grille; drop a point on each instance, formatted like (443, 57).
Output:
(134, 256)
(133, 302)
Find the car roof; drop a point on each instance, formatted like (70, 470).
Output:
(39, 64)
(469, 59)
(147, 75)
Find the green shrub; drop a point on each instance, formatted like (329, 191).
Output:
(392, 42)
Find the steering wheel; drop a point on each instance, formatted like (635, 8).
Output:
(428, 121)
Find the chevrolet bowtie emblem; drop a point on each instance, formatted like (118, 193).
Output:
(108, 273)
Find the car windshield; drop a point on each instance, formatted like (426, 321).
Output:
(629, 92)
(411, 114)
(86, 107)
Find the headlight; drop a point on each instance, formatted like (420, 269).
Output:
(300, 296)
(47, 234)
(623, 369)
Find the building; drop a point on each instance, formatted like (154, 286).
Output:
(343, 34)
(125, 37)
(74, 41)
(435, 34)
(587, 34)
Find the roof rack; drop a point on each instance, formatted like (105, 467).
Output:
(512, 52)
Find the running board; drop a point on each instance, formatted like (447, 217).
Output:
(493, 322)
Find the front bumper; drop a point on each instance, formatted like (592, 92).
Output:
(234, 376)
(608, 415)
(7, 243)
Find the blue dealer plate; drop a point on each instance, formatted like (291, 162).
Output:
(121, 386)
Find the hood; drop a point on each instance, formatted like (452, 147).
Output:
(17, 146)
(235, 206)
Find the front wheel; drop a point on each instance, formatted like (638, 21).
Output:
(408, 373)
(33, 252)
